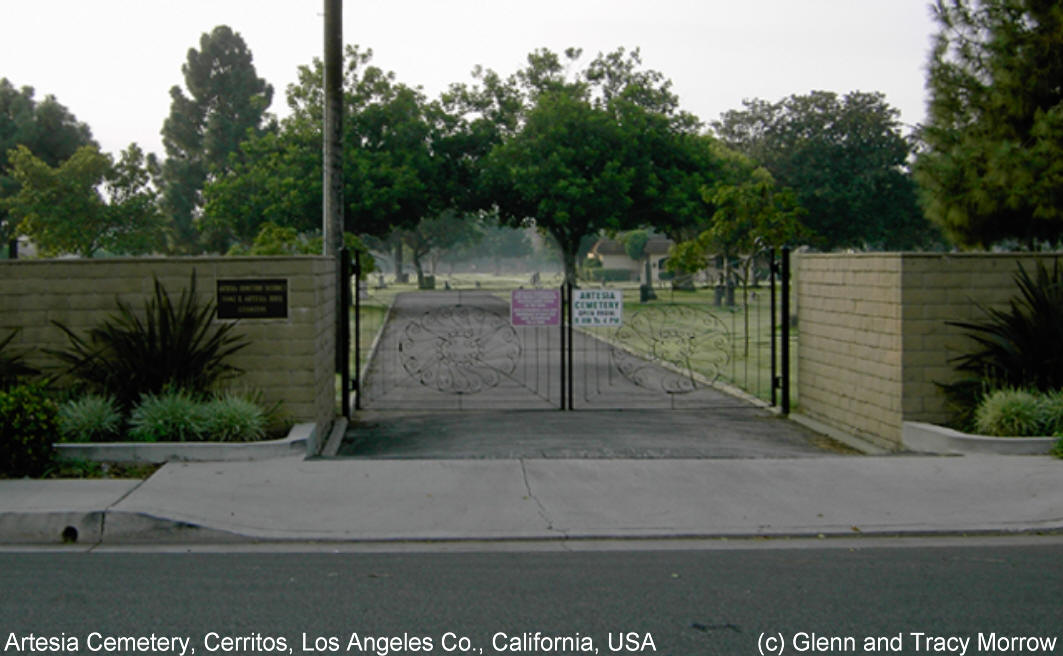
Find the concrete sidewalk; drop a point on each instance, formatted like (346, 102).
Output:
(381, 500)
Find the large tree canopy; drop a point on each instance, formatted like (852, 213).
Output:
(992, 163)
(225, 100)
(401, 159)
(608, 149)
(46, 128)
(844, 157)
(88, 203)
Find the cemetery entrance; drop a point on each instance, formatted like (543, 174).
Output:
(548, 347)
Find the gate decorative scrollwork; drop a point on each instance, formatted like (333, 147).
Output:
(460, 349)
(672, 342)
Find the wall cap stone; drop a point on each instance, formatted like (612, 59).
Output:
(193, 259)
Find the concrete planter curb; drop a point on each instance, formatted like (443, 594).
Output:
(159, 452)
(929, 438)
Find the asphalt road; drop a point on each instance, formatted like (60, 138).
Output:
(705, 601)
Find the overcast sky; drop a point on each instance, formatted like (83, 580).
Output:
(112, 62)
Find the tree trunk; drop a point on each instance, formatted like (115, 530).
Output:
(398, 252)
(420, 269)
(568, 258)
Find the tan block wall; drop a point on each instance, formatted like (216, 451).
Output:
(290, 360)
(874, 341)
(849, 344)
(943, 288)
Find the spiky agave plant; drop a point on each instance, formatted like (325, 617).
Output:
(1017, 346)
(168, 346)
(13, 367)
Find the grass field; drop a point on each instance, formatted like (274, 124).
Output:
(743, 359)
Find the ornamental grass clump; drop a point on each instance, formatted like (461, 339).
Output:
(91, 418)
(174, 416)
(1053, 410)
(232, 418)
(1020, 413)
(1010, 413)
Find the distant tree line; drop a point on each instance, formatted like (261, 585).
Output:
(571, 146)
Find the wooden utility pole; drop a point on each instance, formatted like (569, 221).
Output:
(333, 129)
(332, 189)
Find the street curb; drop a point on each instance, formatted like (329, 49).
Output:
(118, 528)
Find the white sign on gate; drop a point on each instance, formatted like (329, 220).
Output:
(597, 307)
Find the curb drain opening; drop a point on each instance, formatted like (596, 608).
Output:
(70, 535)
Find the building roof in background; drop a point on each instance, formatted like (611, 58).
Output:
(655, 246)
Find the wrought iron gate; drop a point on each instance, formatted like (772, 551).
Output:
(459, 349)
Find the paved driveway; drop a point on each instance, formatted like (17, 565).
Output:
(732, 432)
(451, 378)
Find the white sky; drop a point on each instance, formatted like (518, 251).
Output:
(112, 62)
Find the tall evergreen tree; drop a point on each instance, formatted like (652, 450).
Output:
(225, 100)
(991, 167)
(47, 129)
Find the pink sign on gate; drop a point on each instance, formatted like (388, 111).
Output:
(535, 307)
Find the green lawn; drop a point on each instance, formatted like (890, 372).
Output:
(742, 358)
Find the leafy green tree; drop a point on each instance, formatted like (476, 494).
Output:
(750, 217)
(436, 235)
(991, 167)
(601, 152)
(401, 159)
(46, 128)
(225, 100)
(277, 180)
(273, 239)
(846, 160)
(88, 203)
(504, 242)
(564, 170)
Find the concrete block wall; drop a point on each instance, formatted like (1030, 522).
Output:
(849, 343)
(290, 360)
(874, 341)
(938, 289)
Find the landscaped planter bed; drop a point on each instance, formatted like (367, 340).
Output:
(929, 438)
(158, 452)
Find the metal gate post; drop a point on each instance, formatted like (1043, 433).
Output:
(561, 323)
(343, 347)
(785, 330)
(571, 346)
(775, 382)
(356, 385)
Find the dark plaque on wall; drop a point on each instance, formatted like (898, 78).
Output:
(246, 298)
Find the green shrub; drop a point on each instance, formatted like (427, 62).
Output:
(174, 416)
(1011, 413)
(1014, 347)
(232, 418)
(91, 418)
(1052, 406)
(28, 427)
(170, 346)
(612, 275)
(13, 367)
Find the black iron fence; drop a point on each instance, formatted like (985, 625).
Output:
(457, 347)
